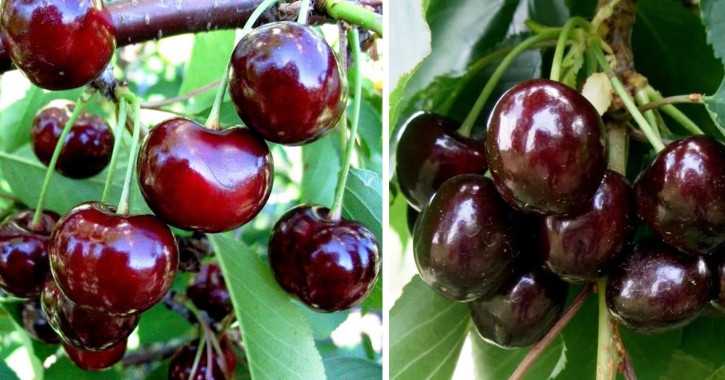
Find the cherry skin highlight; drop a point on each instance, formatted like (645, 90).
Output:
(199, 179)
(117, 264)
(330, 265)
(58, 45)
(429, 152)
(546, 147)
(286, 83)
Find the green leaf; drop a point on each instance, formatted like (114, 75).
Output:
(209, 57)
(713, 16)
(25, 340)
(704, 338)
(715, 105)
(426, 333)
(345, 368)
(718, 375)
(321, 161)
(374, 300)
(6, 373)
(363, 200)
(686, 367)
(322, 324)
(65, 369)
(160, 325)
(650, 353)
(278, 340)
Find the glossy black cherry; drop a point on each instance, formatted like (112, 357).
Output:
(118, 264)
(429, 152)
(681, 195)
(330, 265)
(209, 292)
(464, 242)
(546, 147)
(58, 45)
(87, 148)
(657, 288)
(582, 246)
(222, 368)
(286, 83)
(36, 323)
(200, 179)
(95, 361)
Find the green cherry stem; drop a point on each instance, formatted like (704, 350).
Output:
(607, 356)
(263, 6)
(467, 126)
(128, 96)
(80, 105)
(354, 42)
(304, 11)
(641, 97)
(666, 105)
(355, 14)
(561, 44)
(118, 133)
(625, 96)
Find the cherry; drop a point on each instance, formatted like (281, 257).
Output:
(545, 145)
(117, 264)
(410, 217)
(522, 311)
(209, 292)
(24, 253)
(192, 250)
(463, 241)
(36, 323)
(199, 179)
(330, 265)
(87, 148)
(681, 195)
(657, 288)
(222, 368)
(95, 361)
(429, 152)
(717, 266)
(582, 246)
(286, 83)
(58, 45)
(84, 329)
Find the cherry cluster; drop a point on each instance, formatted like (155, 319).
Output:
(551, 213)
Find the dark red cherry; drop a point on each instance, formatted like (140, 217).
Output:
(583, 245)
(330, 265)
(464, 241)
(286, 83)
(429, 152)
(209, 292)
(95, 361)
(658, 288)
(546, 147)
(36, 323)
(87, 148)
(222, 368)
(681, 195)
(200, 179)
(192, 250)
(118, 264)
(522, 311)
(58, 45)
(85, 329)
(24, 253)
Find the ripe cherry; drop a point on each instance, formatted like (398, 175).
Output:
(330, 265)
(582, 246)
(192, 250)
(200, 179)
(429, 152)
(58, 45)
(36, 323)
(24, 253)
(87, 148)
(681, 195)
(286, 83)
(222, 367)
(209, 292)
(522, 311)
(95, 361)
(85, 329)
(463, 241)
(658, 288)
(118, 264)
(545, 145)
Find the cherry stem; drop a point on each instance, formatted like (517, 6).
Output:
(165, 102)
(80, 105)
(641, 97)
(550, 335)
(214, 119)
(128, 96)
(118, 134)
(625, 96)
(354, 43)
(666, 105)
(249, 25)
(608, 358)
(467, 126)
(617, 143)
(197, 357)
(304, 11)
(354, 14)
(561, 44)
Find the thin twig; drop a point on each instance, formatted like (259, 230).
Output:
(628, 368)
(677, 99)
(154, 105)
